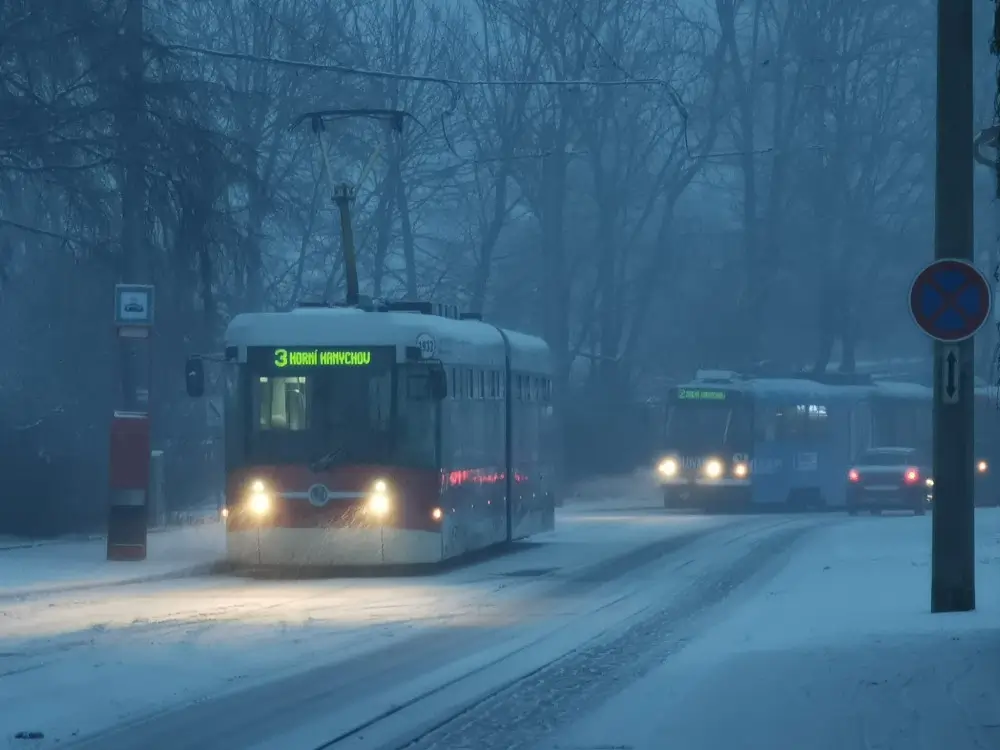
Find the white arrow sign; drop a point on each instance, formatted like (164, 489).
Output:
(951, 368)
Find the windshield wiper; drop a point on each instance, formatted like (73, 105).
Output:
(326, 460)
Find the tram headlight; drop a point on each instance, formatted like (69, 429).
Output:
(260, 503)
(713, 468)
(378, 504)
(929, 482)
(259, 499)
(378, 499)
(982, 467)
(667, 467)
(740, 470)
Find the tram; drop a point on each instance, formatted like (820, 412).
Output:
(737, 442)
(382, 434)
(733, 441)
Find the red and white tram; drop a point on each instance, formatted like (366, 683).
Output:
(395, 434)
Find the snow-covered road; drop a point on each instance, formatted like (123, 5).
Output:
(836, 652)
(79, 655)
(626, 627)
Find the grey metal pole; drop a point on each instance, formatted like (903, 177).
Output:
(953, 584)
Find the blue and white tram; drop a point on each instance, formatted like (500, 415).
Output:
(739, 442)
(383, 435)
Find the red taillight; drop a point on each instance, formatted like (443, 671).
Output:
(853, 475)
(912, 476)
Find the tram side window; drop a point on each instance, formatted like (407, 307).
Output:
(281, 404)
(861, 433)
(765, 424)
(416, 441)
(802, 422)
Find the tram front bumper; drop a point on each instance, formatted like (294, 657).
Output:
(705, 492)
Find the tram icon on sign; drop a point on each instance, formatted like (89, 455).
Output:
(133, 305)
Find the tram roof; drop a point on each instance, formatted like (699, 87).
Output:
(778, 387)
(467, 342)
(804, 386)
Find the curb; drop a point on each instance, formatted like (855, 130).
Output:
(193, 571)
(30, 544)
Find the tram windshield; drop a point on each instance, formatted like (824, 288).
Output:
(704, 426)
(328, 408)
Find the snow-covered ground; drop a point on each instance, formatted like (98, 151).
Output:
(837, 652)
(637, 489)
(608, 633)
(76, 660)
(32, 568)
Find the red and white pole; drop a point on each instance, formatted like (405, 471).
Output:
(128, 513)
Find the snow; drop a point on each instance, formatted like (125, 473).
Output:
(837, 650)
(458, 341)
(44, 567)
(140, 649)
(33, 568)
(858, 582)
(830, 645)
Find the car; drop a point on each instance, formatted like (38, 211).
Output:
(889, 478)
(134, 307)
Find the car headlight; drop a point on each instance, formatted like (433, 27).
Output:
(929, 482)
(378, 498)
(982, 467)
(713, 468)
(667, 467)
(740, 470)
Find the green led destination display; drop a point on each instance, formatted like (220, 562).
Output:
(322, 358)
(697, 394)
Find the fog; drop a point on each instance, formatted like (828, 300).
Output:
(653, 187)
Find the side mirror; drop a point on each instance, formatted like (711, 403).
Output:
(194, 376)
(439, 385)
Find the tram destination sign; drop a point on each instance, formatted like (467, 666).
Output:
(281, 358)
(700, 394)
(322, 357)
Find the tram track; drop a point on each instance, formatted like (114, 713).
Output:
(519, 711)
(310, 598)
(474, 652)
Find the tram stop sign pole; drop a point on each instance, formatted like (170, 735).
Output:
(950, 300)
(129, 457)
